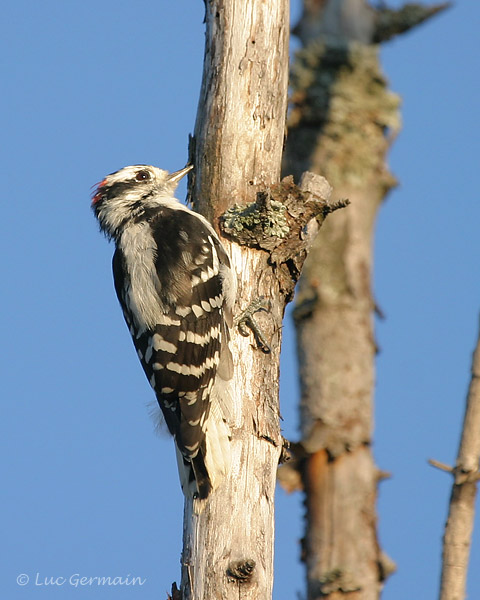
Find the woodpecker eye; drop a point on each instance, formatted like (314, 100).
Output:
(142, 176)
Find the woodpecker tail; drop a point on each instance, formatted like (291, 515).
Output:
(194, 477)
(202, 478)
(204, 473)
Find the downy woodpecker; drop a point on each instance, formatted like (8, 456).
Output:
(177, 290)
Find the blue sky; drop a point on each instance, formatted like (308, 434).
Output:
(88, 489)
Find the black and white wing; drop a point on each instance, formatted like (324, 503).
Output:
(182, 341)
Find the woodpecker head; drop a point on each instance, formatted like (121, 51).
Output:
(123, 197)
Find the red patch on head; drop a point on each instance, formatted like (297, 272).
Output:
(97, 192)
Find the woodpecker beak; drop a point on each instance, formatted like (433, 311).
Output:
(177, 175)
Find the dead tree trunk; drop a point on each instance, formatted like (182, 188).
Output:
(342, 122)
(236, 151)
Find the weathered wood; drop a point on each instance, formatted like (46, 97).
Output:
(235, 531)
(238, 141)
(236, 150)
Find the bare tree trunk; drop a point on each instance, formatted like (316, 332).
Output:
(236, 150)
(459, 526)
(336, 345)
(342, 123)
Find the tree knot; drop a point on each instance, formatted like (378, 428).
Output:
(241, 571)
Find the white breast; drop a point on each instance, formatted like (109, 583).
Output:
(138, 248)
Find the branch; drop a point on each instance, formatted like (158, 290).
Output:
(357, 21)
(284, 221)
(390, 23)
(439, 465)
(459, 526)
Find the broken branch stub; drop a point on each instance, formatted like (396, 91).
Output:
(283, 221)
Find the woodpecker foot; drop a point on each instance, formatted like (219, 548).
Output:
(246, 321)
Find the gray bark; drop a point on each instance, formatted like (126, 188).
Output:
(342, 122)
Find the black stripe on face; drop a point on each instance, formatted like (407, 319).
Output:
(117, 189)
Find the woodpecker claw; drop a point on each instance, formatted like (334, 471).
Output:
(246, 321)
